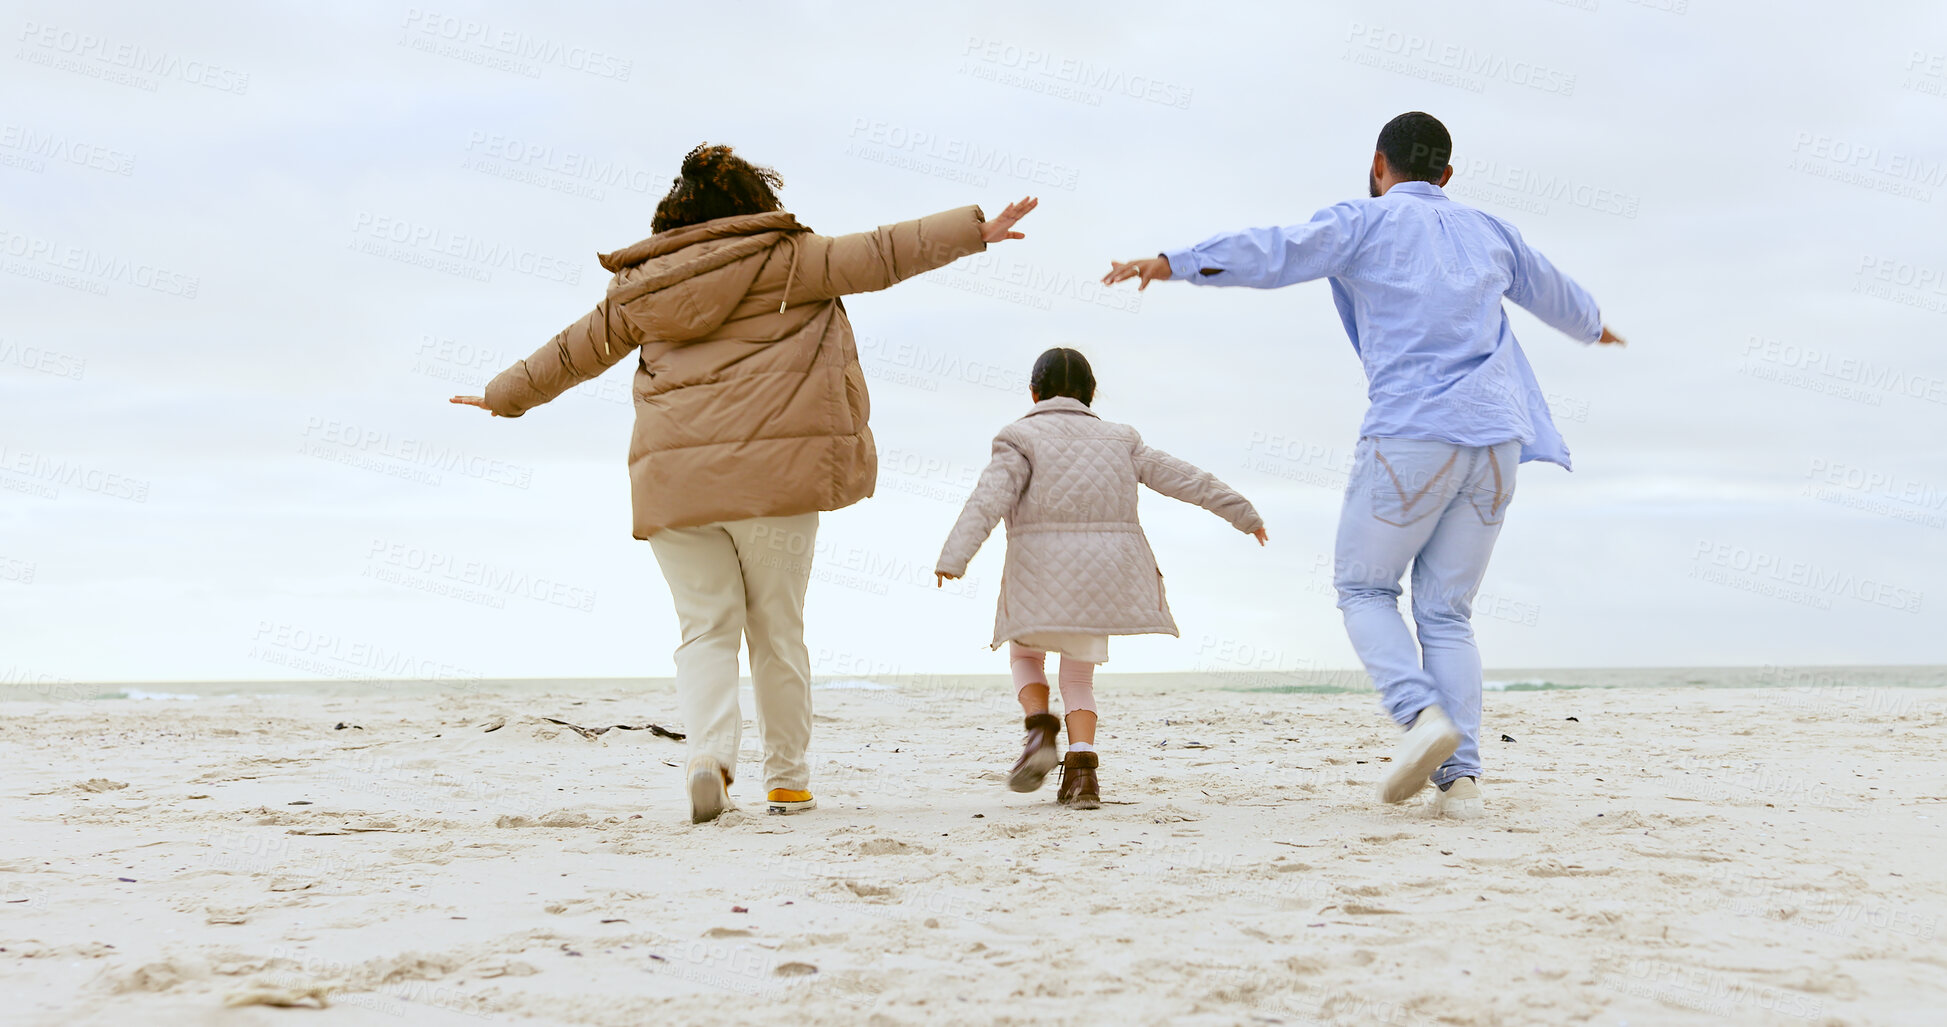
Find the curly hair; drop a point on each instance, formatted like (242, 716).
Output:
(716, 183)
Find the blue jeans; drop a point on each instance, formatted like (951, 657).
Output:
(1437, 508)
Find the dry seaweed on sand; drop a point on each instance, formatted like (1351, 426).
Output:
(592, 732)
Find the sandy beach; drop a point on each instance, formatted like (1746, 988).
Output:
(1650, 856)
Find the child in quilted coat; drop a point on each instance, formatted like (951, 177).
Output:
(1078, 568)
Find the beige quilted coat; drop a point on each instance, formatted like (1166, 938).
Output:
(749, 399)
(1077, 560)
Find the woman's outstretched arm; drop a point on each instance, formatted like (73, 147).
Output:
(830, 266)
(581, 351)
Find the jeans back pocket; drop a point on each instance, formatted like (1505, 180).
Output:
(1408, 479)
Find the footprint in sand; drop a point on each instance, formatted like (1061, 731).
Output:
(891, 847)
(504, 968)
(557, 818)
(869, 891)
(160, 976)
(1556, 868)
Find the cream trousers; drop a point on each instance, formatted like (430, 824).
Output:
(736, 581)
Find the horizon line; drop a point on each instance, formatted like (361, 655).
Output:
(896, 675)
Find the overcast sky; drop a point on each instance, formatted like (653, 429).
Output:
(247, 258)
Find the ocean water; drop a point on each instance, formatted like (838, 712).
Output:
(1838, 684)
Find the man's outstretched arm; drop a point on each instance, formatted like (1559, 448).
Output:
(1262, 258)
(1541, 289)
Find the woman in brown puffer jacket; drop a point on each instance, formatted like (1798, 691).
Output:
(751, 415)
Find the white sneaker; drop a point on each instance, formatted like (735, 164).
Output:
(1425, 746)
(709, 790)
(1461, 800)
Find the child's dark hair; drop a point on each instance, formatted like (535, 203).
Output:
(1063, 372)
(716, 183)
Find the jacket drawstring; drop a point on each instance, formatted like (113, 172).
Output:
(788, 275)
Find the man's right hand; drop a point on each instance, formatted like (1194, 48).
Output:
(1610, 338)
(1150, 269)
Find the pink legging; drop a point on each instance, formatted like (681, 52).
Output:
(1077, 678)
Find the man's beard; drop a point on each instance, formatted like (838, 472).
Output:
(1372, 184)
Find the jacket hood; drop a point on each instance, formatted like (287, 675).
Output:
(698, 273)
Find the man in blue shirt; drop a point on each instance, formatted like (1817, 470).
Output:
(1418, 281)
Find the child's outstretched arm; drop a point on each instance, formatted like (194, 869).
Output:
(1000, 486)
(1179, 479)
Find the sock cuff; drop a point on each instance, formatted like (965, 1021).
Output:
(1081, 747)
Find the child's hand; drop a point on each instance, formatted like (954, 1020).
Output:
(1261, 536)
(942, 577)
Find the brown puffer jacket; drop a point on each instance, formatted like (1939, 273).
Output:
(1077, 559)
(749, 398)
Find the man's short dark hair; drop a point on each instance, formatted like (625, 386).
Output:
(1416, 146)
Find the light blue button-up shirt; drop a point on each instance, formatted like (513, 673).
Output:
(1418, 281)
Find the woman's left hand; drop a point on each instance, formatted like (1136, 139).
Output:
(473, 401)
(1261, 536)
(999, 228)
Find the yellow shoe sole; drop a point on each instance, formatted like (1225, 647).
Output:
(784, 807)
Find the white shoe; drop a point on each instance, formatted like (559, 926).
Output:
(1461, 800)
(1425, 746)
(709, 790)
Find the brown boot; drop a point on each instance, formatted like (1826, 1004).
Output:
(1037, 753)
(1078, 788)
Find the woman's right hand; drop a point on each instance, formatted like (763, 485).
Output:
(473, 401)
(1000, 228)
(1261, 536)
